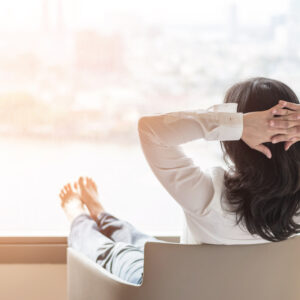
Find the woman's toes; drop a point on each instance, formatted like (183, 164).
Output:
(69, 188)
(88, 182)
(61, 196)
(81, 183)
(93, 184)
(77, 188)
(63, 191)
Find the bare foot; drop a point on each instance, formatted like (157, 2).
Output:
(89, 196)
(70, 202)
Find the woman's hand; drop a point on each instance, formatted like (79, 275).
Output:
(257, 128)
(289, 119)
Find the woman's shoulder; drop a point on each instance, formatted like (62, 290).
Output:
(217, 174)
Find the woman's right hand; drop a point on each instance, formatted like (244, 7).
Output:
(258, 128)
(289, 119)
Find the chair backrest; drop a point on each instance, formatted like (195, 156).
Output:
(269, 271)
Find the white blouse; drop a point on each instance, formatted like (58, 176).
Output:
(199, 193)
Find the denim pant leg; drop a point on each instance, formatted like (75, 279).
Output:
(121, 259)
(122, 231)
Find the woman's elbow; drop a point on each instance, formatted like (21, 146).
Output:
(145, 129)
(143, 124)
(149, 128)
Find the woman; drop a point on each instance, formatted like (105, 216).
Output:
(256, 201)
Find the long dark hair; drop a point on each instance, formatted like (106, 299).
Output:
(263, 193)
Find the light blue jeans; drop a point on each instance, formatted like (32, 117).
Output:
(113, 243)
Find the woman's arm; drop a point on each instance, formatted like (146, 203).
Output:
(161, 136)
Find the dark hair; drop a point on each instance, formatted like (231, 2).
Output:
(263, 193)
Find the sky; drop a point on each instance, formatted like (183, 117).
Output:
(20, 14)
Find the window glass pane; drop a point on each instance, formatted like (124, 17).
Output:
(75, 76)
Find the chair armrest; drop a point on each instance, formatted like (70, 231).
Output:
(88, 280)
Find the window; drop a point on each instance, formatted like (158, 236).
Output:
(77, 75)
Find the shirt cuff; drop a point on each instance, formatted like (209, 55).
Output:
(230, 121)
(230, 126)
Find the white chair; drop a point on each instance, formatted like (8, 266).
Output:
(269, 271)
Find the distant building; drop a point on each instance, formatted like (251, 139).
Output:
(233, 22)
(293, 45)
(98, 53)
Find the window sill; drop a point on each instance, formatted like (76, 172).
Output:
(42, 249)
(33, 249)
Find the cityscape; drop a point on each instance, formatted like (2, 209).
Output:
(71, 92)
(61, 82)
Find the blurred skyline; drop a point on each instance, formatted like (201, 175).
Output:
(18, 14)
(75, 76)
(103, 64)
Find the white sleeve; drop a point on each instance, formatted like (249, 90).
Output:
(160, 137)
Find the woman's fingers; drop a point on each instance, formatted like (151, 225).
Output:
(284, 108)
(293, 134)
(264, 150)
(290, 105)
(280, 138)
(275, 131)
(288, 144)
(280, 109)
(291, 116)
(284, 124)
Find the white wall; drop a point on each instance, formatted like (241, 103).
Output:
(33, 282)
